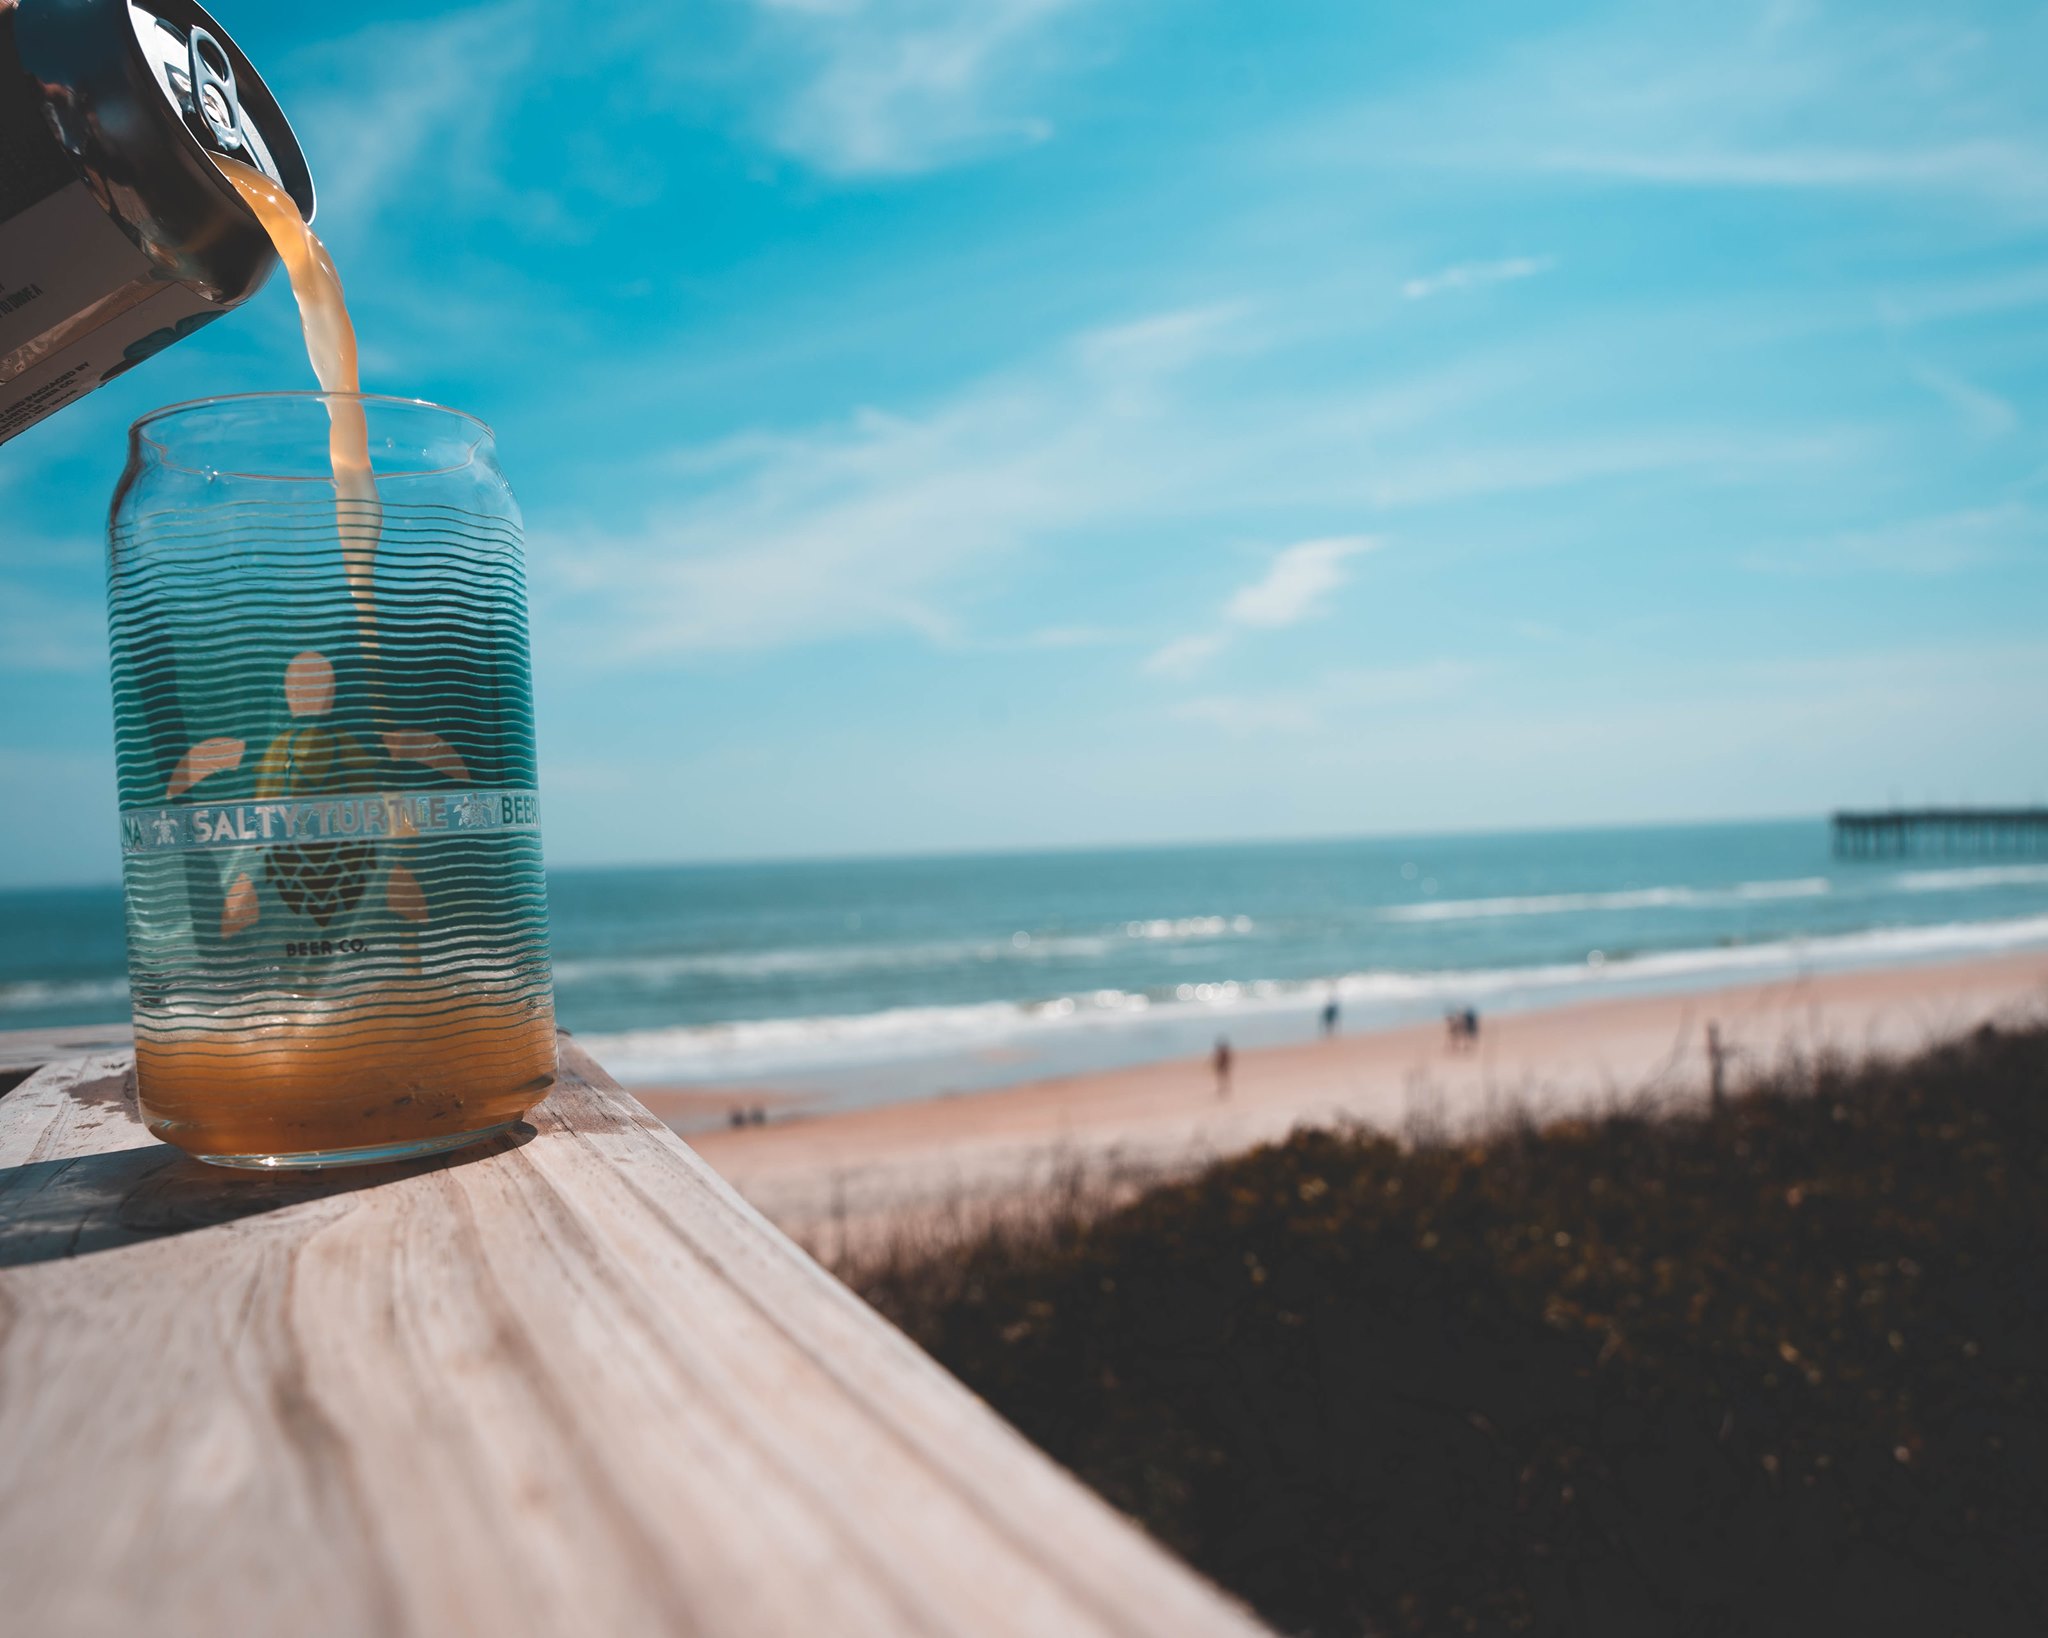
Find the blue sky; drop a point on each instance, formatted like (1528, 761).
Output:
(975, 423)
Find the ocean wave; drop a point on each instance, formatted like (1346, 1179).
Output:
(772, 1046)
(811, 961)
(1633, 898)
(29, 993)
(1188, 927)
(821, 960)
(1968, 878)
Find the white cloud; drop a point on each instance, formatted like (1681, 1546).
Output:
(1771, 97)
(1474, 275)
(1983, 410)
(771, 540)
(1301, 579)
(1185, 656)
(1461, 471)
(1944, 544)
(1249, 715)
(1295, 586)
(416, 108)
(899, 86)
(905, 522)
(1968, 297)
(2006, 169)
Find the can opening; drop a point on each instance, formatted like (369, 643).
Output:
(217, 95)
(207, 49)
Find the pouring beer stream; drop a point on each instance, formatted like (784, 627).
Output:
(331, 348)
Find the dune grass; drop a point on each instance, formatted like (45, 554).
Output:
(1783, 1369)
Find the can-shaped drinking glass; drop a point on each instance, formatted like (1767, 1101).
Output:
(323, 716)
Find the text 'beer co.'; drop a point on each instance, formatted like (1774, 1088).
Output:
(118, 234)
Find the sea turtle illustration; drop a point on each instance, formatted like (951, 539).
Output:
(318, 880)
(322, 881)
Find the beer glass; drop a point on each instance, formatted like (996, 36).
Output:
(337, 926)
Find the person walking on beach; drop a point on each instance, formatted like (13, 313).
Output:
(1461, 1028)
(1221, 1059)
(1330, 1017)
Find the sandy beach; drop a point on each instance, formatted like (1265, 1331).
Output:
(836, 1181)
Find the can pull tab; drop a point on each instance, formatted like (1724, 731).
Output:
(214, 100)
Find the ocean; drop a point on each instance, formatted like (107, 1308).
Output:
(854, 981)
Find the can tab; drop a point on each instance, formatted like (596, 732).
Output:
(213, 92)
(197, 73)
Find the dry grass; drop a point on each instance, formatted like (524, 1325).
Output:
(1784, 1369)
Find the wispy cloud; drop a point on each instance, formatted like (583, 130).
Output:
(1943, 544)
(2009, 170)
(1984, 411)
(1967, 298)
(1185, 656)
(416, 109)
(1335, 695)
(1475, 275)
(1297, 585)
(899, 86)
(1764, 97)
(904, 522)
(765, 541)
(1461, 471)
(1251, 714)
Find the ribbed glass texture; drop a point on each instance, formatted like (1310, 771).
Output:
(337, 930)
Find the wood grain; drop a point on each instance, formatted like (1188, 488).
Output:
(572, 1385)
(22, 1050)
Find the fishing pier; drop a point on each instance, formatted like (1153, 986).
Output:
(1900, 833)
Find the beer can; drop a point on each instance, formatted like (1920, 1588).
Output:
(118, 234)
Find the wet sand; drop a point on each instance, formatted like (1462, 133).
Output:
(838, 1181)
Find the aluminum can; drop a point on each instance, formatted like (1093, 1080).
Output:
(118, 234)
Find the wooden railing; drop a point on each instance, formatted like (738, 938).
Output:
(571, 1385)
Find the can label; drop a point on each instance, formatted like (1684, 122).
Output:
(78, 306)
(183, 827)
(60, 259)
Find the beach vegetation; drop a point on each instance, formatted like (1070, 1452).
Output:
(1780, 1368)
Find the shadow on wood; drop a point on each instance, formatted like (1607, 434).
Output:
(73, 1207)
(570, 1385)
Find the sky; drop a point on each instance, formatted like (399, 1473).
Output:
(953, 424)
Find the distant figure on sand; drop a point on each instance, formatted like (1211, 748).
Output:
(1461, 1028)
(1221, 1059)
(1330, 1016)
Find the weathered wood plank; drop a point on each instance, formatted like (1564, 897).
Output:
(25, 1050)
(573, 1385)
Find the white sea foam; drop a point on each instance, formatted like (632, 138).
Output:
(1798, 887)
(785, 1046)
(822, 960)
(1968, 878)
(1188, 927)
(1633, 898)
(36, 992)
